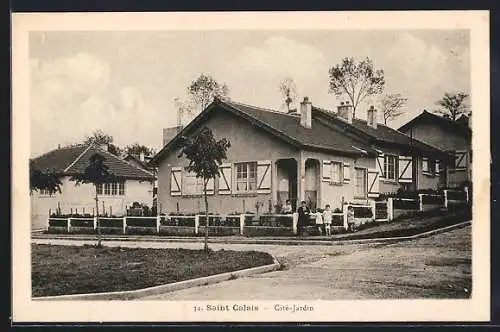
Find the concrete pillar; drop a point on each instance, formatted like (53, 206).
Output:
(69, 224)
(344, 217)
(158, 220)
(124, 225)
(95, 223)
(295, 220)
(445, 199)
(420, 202)
(242, 223)
(274, 183)
(374, 208)
(196, 223)
(390, 209)
(301, 179)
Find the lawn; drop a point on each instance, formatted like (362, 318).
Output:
(61, 270)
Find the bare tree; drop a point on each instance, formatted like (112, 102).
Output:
(391, 104)
(204, 89)
(288, 90)
(356, 80)
(453, 105)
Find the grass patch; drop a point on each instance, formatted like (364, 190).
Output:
(61, 270)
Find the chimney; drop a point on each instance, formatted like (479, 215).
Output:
(305, 113)
(371, 117)
(345, 111)
(141, 156)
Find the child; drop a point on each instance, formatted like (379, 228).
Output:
(303, 212)
(287, 208)
(319, 221)
(327, 220)
(350, 219)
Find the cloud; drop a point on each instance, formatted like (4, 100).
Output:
(73, 96)
(271, 62)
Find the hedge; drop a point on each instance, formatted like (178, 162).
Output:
(406, 205)
(267, 231)
(219, 230)
(58, 222)
(57, 229)
(140, 230)
(177, 230)
(432, 199)
(222, 221)
(82, 230)
(457, 195)
(141, 222)
(173, 221)
(84, 223)
(337, 220)
(110, 222)
(362, 211)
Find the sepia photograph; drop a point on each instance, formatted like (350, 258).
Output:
(238, 170)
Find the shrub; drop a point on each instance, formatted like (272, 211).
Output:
(362, 211)
(57, 229)
(457, 195)
(432, 199)
(141, 230)
(219, 230)
(111, 222)
(177, 221)
(221, 221)
(337, 220)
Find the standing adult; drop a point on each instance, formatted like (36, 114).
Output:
(303, 212)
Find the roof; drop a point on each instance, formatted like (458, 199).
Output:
(284, 126)
(133, 158)
(74, 159)
(460, 127)
(381, 134)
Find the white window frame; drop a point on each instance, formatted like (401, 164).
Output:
(247, 179)
(111, 189)
(395, 169)
(356, 183)
(336, 177)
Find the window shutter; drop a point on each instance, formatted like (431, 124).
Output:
(176, 181)
(460, 160)
(264, 176)
(405, 169)
(347, 172)
(326, 171)
(380, 165)
(373, 182)
(210, 187)
(225, 180)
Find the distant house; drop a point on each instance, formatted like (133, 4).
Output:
(136, 184)
(314, 155)
(454, 137)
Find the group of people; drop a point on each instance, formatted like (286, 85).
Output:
(323, 218)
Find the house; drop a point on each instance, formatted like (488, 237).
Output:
(454, 137)
(136, 184)
(313, 155)
(142, 161)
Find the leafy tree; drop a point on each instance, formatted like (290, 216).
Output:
(288, 90)
(48, 181)
(391, 105)
(204, 89)
(205, 155)
(137, 149)
(356, 80)
(96, 173)
(99, 137)
(453, 105)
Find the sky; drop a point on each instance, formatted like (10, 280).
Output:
(124, 83)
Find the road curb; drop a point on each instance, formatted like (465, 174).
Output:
(166, 288)
(262, 241)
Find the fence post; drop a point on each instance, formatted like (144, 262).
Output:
(420, 202)
(390, 209)
(158, 221)
(373, 205)
(345, 207)
(295, 220)
(124, 225)
(69, 224)
(196, 223)
(242, 223)
(466, 194)
(95, 223)
(48, 222)
(445, 199)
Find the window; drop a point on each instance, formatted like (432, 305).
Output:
(111, 189)
(425, 165)
(360, 182)
(45, 192)
(391, 167)
(432, 166)
(192, 184)
(246, 176)
(428, 165)
(336, 176)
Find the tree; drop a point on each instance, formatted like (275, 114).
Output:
(391, 105)
(205, 155)
(453, 105)
(96, 173)
(204, 89)
(99, 137)
(288, 91)
(356, 80)
(136, 149)
(47, 181)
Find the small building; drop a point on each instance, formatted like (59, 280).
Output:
(453, 137)
(315, 155)
(135, 185)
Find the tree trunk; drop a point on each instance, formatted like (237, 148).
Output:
(206, 214)
(99, 244)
